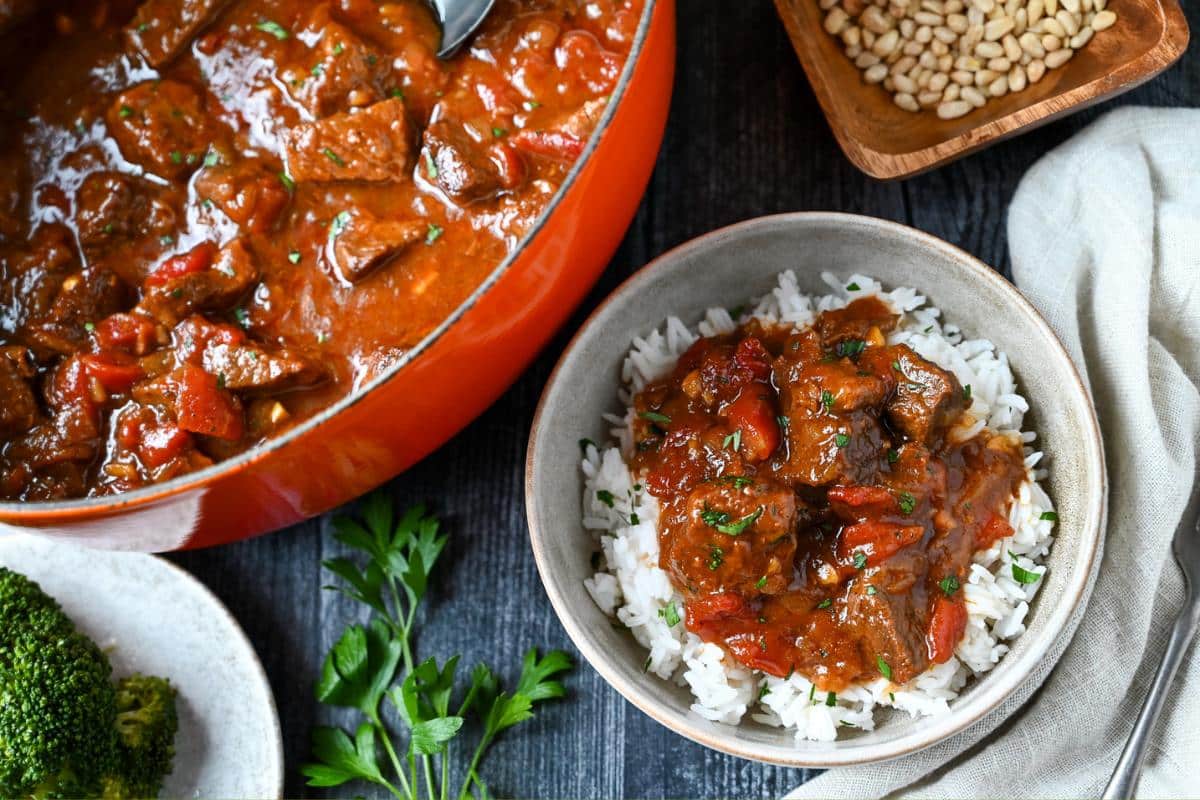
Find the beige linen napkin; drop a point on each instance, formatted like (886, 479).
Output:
(1105, 240)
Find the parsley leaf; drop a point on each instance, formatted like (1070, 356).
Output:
(907, 503)
(949, 585)
(670, 614)
(884, 669)
(655, 417)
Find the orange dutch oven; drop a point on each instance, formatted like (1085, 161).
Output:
(443, 383)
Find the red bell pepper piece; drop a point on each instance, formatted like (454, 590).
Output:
(203, 407)
(198, 259)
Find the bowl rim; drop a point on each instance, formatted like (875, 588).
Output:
(993, 690)
(31, 512)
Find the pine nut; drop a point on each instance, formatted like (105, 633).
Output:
(1081, 38)
(1035, 10)
(907, 28)
(1103, 20)
(1016, 79)
(865, 60)
(1051, 7)
(905, 84)
(912, 48)
(945, 63)
(875, 74)
(1052, 27)
(1058, 58)
(984, 77)
(929, 99)
(1068, 21)
(939, 48)
(1020, 21)
(962, 77)
(903, 65)
(938, 82)
(1070, 5)
(827, 4)
(835, 20)
(973, 96)
(886, 43)
(906, 101)
(928, 60)
(854, 51)
(1035, 70)
(1032, 45)
(852, 36)
(928, 18)
(1012, 49)
(875, 20)
(953, 109)
(999, 64)
(951, 93)
(985, 6)
(998, 87)
(997, 28)
(957, 23)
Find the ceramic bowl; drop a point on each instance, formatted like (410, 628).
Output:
(438, 386)
(726, 268)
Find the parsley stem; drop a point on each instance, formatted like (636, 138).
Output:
(391, 751)
(446, 772)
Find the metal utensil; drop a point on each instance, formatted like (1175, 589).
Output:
(1187, 553)
(459, 18)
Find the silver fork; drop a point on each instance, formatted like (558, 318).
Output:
(1187, 553)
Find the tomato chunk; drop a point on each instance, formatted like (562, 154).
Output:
(131, 332)
(993, 530)
(878, 540)
(754, 415)
(769, 651)
(947, 625)
(552, 144)
(197, 259)
(203, 407)
(112, 372)
(857, 502)
(715, 607)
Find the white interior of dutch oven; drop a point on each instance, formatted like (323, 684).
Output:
(727, 268)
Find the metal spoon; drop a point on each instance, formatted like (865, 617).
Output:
(1187, 553)
(459, 18)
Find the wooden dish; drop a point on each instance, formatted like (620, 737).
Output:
(887, 142)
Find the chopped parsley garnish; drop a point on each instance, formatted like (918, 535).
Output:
(646, 666)
(967, 393)
(530, 105)
(339, 224)
(738, 481)
(892, 696)
(812, 691)
(761, 582)
(850, 348)
(896, 366)
(1022, 575)
(826, 603)
(907, 503)
(841, 440)
(716, 556)
(166, 240)
(431, 169)
(670, 614)
(583, 445)
(435, 233)
(871, 590)
(831, 699)
(294, 256)
(241, 316)
(212, 158)
(827, 399)
(1049, 516)
(949, 585)
(334, 157)
(606, 497)
(633, 519)
(499, 133)
(273, 28)
(892, 456)
(783, 421)
(89, 326)
(884, 669)
(287, 181)
(338, 49)
(720, 521)
(734, 439)
(853, 287)
(860, 559)
(655, 417)
(125, 113)
(176, 157)
(764, 691)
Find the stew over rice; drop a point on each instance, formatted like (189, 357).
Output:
(219, 216)
(821, 506)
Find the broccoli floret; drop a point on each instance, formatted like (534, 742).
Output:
(146, 726)
(65, 730)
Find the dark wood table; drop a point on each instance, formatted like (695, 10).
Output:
(745, 138)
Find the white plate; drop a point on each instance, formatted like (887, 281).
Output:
(154, 618)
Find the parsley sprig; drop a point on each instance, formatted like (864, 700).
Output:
(374, 665)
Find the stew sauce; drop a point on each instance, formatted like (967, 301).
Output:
(818, 513)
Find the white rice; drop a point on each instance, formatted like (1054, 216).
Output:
(630, 586)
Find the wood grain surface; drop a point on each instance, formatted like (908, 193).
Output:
(746, 137)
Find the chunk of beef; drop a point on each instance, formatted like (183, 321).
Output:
(247, 192)
(865, 319)
(460, 164)
(112, 208)
(360, 243)
(889, 610)
(33, 272)
(18, 404)
(368, 145)
(928, 399)
(83, 299)
(161, 29)
(251, 368)
(228, 276)
(734, 534)
(343, 72)
(162, 126)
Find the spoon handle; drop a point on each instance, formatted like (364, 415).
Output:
(1129, 766)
